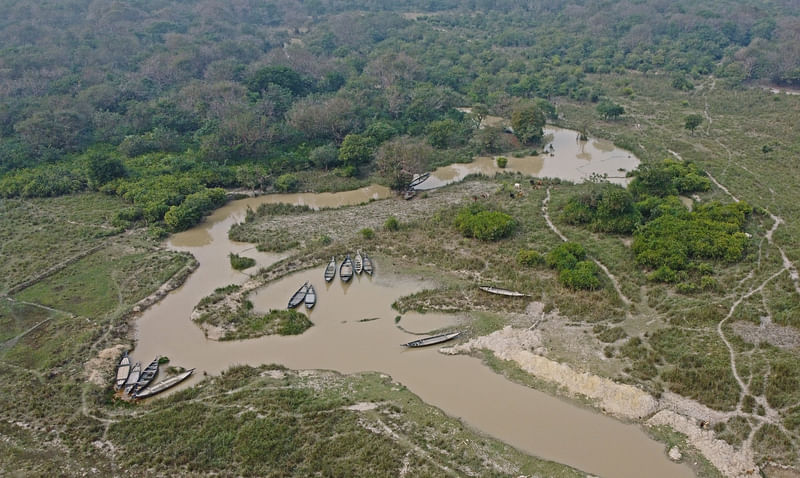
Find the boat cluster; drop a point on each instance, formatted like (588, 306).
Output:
(349, 267)
(135, 382)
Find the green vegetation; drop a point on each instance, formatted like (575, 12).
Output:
(605, 208)
(140, 122)
(475, 221)
(391, 224)
(240, 262)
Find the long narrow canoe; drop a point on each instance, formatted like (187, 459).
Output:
(330, 271)
(499, 291)
(311, 297)
(133, 377)
(368, 266)
(163, 385)
(123, 370)
(436, 339)
(346, 269)
(148, 374)
(358, 263)
(418, 179)
(298, 296)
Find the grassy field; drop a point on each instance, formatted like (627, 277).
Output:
(665, 339)
(275, 422)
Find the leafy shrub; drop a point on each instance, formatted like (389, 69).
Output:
(607, 208)
(529, 257)
(287, 183)
(582, 276)
(193, 208)
(473, 221)
(391, 224)
(367, 233)
(711, 231)
(239, 262)
(565, 256)
(502, 161)
(668, 178)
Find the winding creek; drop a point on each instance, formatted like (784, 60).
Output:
(461, 386)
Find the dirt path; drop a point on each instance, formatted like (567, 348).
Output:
(608, 273)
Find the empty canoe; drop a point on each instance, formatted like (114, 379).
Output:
(133, 377)
(330, 271)
(298, 296)
(436, 339)
(499, 291)
(346, 269)
(368, 266)
(311, 297)
(148, 374)
(163, 385)
(418, 179)
(358, 263)
(123, 370)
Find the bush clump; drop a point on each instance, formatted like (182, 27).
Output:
(565, 256)
(367, 233)
(581, 277)
(529, 257)
(605, 208)
(502, 161)
(240, 262)
(391, 224)
(474, 221)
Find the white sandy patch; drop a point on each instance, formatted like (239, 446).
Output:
(621, 400)
(729, 461)
(100, 369)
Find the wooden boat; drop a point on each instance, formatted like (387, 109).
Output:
(409, 194)
(298, 296)
(147, 376)
(346, 269)
(330, 271)
(358, 263)
(163, 385)
(418, 179)
(436, 339)
(499, 291)
(133, 377)
(123, 370)
(311, 297)
(368, 266)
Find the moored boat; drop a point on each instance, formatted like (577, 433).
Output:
(418, 179)
(123, 370)
(133, 377)
(148, 374)
(368, 266)
(358, 263)
(163, 385)
(499, 291)
(435, 339)
(346, 269)
(298, 296)
(330, 271)
(311, 297)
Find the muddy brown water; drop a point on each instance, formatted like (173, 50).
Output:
(571, 159)
(342, 340)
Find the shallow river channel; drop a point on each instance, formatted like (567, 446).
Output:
(461, 386)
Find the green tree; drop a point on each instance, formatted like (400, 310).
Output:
(528, 121)
(356, 149)
(102, 169)
(287, 183)
(610, 110)
(693, 121)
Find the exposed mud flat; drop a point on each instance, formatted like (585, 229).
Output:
(523, 347)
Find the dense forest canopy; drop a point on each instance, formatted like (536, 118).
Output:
(220, 93)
